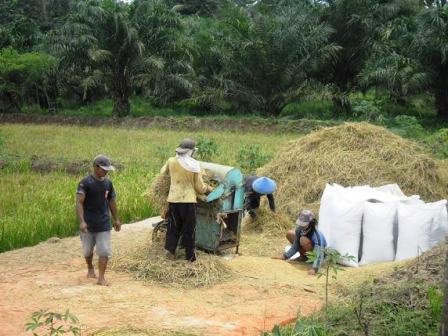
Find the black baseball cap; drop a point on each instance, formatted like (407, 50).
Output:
(103, 162)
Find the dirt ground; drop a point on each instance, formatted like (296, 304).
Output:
(263, 292)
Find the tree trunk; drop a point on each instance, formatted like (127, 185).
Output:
(444, 318)
(44, 13)
(341, 105)
(442, 103)
(273, 106)
(122, 107)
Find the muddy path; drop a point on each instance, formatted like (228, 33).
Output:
(258, 125)
(51, 275)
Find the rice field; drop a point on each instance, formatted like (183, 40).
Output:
(37, 205)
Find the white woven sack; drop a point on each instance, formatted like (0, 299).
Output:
(346, 228)
(326, 212)
(414, 229)
(377, 232)
(439, 228)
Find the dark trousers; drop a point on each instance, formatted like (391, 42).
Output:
(252, 203)
(181, 223)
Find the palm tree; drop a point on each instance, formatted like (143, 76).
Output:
(392, 66)
(413, 57)
(166, 72)
(268, 60)
(106, 46)
(430, 48)
(358, 25)
(397, 75)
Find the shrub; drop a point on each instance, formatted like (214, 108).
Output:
(299, 329)
(22, 74)
(251, 157)
(207, 148)
(408, 127)
(438, 143)
(308, 109)
(45, 322)
(366, 110)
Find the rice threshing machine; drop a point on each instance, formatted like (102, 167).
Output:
(219, 215)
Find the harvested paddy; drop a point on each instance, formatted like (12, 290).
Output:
(351, 154)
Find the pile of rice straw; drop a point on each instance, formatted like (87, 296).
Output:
(148, 262)
(267, 222)
(350, 154)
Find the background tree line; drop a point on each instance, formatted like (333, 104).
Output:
(222, 56)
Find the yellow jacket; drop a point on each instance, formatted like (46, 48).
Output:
(185, 185)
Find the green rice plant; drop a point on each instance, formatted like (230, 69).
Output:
(35, 206)
(128, 147)
(162, 153)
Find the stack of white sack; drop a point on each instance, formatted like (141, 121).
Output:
(380, 224)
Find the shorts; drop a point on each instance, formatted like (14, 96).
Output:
(99, 239)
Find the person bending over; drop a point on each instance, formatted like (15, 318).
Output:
(254, 188)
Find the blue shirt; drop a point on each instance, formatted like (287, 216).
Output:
(319, 242)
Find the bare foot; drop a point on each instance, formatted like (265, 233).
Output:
(312, 271)
(91, 273)
(103, 282)
(170, 256)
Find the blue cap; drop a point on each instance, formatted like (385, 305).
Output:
(264, 185)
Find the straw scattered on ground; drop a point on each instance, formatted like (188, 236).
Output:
(351, 154)
(148, 262)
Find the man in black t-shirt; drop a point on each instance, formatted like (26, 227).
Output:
(95, 200)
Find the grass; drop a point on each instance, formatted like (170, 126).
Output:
(36, 206)
(408, 301)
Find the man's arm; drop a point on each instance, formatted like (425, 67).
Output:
(199, 185)
(114, 212)
(292, 250)
(80, 198)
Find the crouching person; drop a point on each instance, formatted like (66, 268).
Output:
(306, 238)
